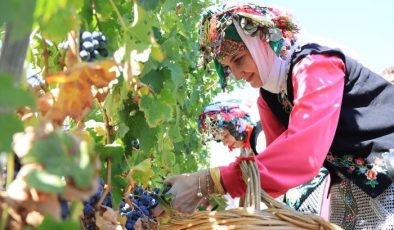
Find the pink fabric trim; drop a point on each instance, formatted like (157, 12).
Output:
(297, 154)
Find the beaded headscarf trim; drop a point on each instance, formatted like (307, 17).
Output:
(229, 48)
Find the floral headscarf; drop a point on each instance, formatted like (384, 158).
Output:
(232, 115)
(268, 24)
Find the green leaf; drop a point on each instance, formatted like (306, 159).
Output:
(76, 208)
(141, 173)
(167, 95)
(114, 101)
(219, 202)
(140, 34)
(104, 8)
(156, 79)
(177, 75)
(148, 5)
(11, 96)
(43, 181)
(10, 124)
(156, 112)
(19, 13)
(49, 223)
(50, 16)
(118, 185)
(110, 150)
(167, 159)
(169, 5)
(141, 130)
(175, 133)
(62, 156)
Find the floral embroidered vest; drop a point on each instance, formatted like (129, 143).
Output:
(363, 145)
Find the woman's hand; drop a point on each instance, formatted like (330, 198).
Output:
(189, 190)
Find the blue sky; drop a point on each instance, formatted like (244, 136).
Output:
(362, 28)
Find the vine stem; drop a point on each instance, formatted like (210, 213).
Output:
(108, 127)
(93, 5)
(108, 186)
(122, 23)
(45, 54)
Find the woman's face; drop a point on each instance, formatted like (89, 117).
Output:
(230, 141)
(243, 67)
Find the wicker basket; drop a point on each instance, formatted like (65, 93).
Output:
(276, 216)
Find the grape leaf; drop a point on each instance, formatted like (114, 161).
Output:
(75, 96)
(138, 128)
(46, 182)
(50, 223)
(156, 79)
(19, 13)
(114, 101)
(177, 75)
(115, 151)
(148, 5)
(175, 133)
(167, 159)
(11, 96)
(156, 111)
(51, 14)
(9, 124)
(141, 173)
(62, 156)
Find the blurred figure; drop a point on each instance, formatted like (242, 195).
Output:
(388, 74)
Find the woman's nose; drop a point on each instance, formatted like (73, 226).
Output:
(238, 75)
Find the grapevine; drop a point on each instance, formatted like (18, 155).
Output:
(101, 108)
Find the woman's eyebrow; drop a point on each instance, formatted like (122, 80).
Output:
(234, 56)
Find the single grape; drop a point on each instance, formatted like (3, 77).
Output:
(95, 44)
(87, 46)
(104, 53)
(96, 35)
(86, 36)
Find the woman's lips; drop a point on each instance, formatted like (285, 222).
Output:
(248, 78)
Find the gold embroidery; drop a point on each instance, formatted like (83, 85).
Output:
(229, 48)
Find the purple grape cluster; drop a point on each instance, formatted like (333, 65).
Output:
(144, 200)
(92, 46)
(88, 210)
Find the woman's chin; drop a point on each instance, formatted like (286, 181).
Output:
(255, 85)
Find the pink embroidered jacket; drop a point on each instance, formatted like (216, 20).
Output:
(295, 155)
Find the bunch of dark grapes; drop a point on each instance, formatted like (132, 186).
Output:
(143, 203)
(88, 210)
(92, 46)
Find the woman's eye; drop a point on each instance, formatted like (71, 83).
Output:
(238, 60)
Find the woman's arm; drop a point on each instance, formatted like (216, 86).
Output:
(297, 154)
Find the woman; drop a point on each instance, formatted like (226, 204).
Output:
(317, 106)
(229, 122)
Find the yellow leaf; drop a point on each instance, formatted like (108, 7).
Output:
(75, 95)
(141, 173)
